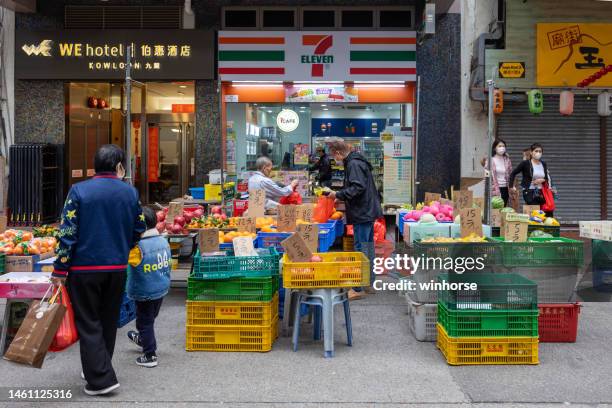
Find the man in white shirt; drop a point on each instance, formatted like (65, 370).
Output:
(260, 180)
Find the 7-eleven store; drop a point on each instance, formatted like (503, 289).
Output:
(284, 93)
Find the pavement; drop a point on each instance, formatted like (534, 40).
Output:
(385, 367)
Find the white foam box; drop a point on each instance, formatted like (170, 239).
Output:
(455, 231)
(416, 232)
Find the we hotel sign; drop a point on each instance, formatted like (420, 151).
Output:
(102, 54)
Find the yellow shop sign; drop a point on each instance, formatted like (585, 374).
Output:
(569, 53)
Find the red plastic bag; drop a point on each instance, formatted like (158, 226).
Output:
(293, 198)
(349, 230)
(549, 199)
(324, 209)
(67, 334)
(380, 230)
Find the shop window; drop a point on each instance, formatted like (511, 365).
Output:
(278, 18)
(244, 18)
(319, 18)
(357, 18)
(395, 19)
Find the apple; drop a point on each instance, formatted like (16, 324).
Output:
(223, 217)
(179, 220)
(161, 216)
(160, 227)
(166, 210)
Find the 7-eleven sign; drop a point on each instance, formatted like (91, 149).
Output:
(318, 59)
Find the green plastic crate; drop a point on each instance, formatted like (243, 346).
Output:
(490, 251)
(602, 253)
(554, 231)
(542, 252)
(2, 263)
(230, 266)
(495, 291)
(488, 323)
(234, 290)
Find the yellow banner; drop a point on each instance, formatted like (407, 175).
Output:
(569, 53)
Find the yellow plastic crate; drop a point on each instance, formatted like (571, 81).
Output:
(487, 350)
(201, 313)
(337, 270)
(348, 243)
(231, 338)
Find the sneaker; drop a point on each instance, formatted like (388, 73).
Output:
(352, 295)
(147, 361)
(90, 391)
(134, 337)
(82, 375)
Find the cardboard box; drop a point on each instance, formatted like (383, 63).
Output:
(21, 263)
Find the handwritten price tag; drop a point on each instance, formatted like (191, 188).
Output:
(310, 235)
(304, 212)
(471, 222)
(515, 231)
(243, 246)
(463, 199)
(257, 203)
(429, 197)
(208, 240)
(496, 218)
(286, 218)
(174, 210)
(247, 224)
(296, 249)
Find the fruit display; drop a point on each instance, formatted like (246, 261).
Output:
(213, 221)
(473, 238)
(265, 224)
(337, 215)
(228, 238)
(538, 217)
(180, 224)
(17, 242)
(45, 231)
(439, 212)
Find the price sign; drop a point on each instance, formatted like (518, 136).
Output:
(243, 246)
(496, 218)
(286, 218)
(527, 209)
(296, 249)
(463, 199)
(515, 231)
(310, 235)
(479, 201)
(429, 197)
(471, 222)
(304, 212)
(257, 203)
(247, 224)
(208, 240)
(174, 210)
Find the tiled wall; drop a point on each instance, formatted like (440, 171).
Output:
(208, 122)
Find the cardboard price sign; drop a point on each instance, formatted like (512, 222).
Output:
(174, 210)
(479, 201)
(296, 249)
(257, 203)
(496, 218)
(463, 199)
(310, 235)
(243, 246)
(471, 222)
(208, 240)
(515, 231)
(429, 197)
(247, 224)
(304, 212)
(286, 218)
(3, 222)
(527, 209)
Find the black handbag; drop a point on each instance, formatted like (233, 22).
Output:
(533, 196)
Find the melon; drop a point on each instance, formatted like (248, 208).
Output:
(428, 219)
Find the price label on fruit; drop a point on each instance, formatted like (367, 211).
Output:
(471, 222)
(463, 199)
(528, 209)
(243, 246)
(257, 203)
(286, 218)
(247, 224)
(515, 231)
(296, 249)
(310, 235)
(429, 197)
(304, 212)
(175, 209)
(208, 240)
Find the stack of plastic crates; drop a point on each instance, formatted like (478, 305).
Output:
(554, 264)
(497, 323)
(233, 302)
(602, 265)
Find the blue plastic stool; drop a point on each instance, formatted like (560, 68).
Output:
(322, 302)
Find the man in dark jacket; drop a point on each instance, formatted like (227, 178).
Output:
(361, 199)
(323, 165)
(102, 220)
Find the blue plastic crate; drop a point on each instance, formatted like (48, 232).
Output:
(401, 224)
(602, 278)
(128, 311)
(326, 239)
(339, 227)
(197, 193)
(271, 239)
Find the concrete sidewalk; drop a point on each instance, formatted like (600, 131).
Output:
(385, 366)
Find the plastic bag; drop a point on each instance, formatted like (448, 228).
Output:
(549, 199)
(380, 230)
(293, 198)
(67, 333)
(324, 209)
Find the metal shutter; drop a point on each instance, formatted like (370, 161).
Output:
(571, 150)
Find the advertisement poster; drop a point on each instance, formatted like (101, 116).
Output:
(300, 154)
(321, 94)
(285, 177)
(153, 154)
(230, 149)
(398, 170)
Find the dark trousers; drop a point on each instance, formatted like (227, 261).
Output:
(146, 312)
(504, 195)
(96, 299)
(364, 242)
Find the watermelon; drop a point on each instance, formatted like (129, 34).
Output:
(497, 203)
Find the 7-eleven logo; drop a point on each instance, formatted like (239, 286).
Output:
(322, 43)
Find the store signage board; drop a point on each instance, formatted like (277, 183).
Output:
(296, 249)
(515, 231)
(569, 53)
(310, 235)
(246, 224)
(231, 98)
(317, 55)
(101, 54)
(511, 69)
(286, 218)
(316, 93)
(257, 203)
(243, 246)
(287, 120)
(208, 240)
(471, 222)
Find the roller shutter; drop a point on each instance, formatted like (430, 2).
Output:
(571, 150)
(609, 137)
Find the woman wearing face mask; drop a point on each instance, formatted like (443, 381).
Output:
(501, 168)
(535, 174)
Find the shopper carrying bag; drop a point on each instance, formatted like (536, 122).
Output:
(37, 331)
(67, 334)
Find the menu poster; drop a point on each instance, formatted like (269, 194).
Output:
(246, 224)
(429, 197)
(515, 231)
(286, 176)
(304, 212)
(257, 203)
(463, 199)
(243, 246)
(208, 240)
(296, 249)
(301, 153)
(471, 222)
(310, 235)
(286, 218)
(175, 209)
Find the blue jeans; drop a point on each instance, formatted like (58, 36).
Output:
(364, 242)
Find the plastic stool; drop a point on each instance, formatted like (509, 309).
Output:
(323, 302)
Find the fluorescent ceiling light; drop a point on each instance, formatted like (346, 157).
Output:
(254, 85)
(183, 86)
(325, 109)
(269, 111)
(319, 83)
(323, 105)
(379, 85)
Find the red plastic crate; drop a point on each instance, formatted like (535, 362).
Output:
(558, 322)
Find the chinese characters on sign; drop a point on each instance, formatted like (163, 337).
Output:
(246, 224)
(304, 212)
(243, 246)
(471, 222)
(296, 249)
(286, 218)
(310, 235)
(564, 37)
(208, 240)
(257, 201)
(463, 199)
(515, 231)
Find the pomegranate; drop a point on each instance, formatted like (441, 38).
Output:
(223, 217)
(177, 229)
(161, 216)
(188, 216)
(160, 227)
(179, 220)
(199, 213)
(216, 209)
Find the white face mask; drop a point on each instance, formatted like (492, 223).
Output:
(500, 150)
(537, 156)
